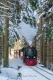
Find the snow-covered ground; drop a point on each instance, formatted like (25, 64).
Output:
(27, 73)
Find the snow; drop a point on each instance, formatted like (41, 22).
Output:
(43, 73)
(39, 3)
(36, 15)
(27, 73)
(51, 9)
(3, 78)
(4, 7)
(39, 36)
(41, 15)
(5, 16)
(44, 25)
(11, 3)
(10, 73)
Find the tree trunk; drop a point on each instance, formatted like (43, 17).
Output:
(44, 53)
(52, 55)
(41, 41)
(40, 45)
(0, 52)
(34, 42)
(49, 56)
(6, 61)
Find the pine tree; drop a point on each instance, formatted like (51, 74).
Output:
(23, 42)
(28, 14)
(47, 31)
(34, 4)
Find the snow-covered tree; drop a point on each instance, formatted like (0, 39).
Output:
(23, 42)
(1, 29)
(48, 30)
(45, 5)
(46, 12)
(13, 15)
(28, 12)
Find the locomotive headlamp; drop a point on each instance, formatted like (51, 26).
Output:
(34, 57)
(27, 57)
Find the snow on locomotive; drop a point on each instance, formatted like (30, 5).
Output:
(29, 55)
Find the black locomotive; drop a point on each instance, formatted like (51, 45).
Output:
(29, 55)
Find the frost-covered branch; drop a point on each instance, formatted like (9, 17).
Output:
(37, 38)
(11, 3)
(8, 14)
(4, 7)
(5, 16)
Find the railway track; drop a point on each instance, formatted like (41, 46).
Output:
(44, 70)
(40, 71)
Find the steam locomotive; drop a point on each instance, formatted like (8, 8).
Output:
(29, 55)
